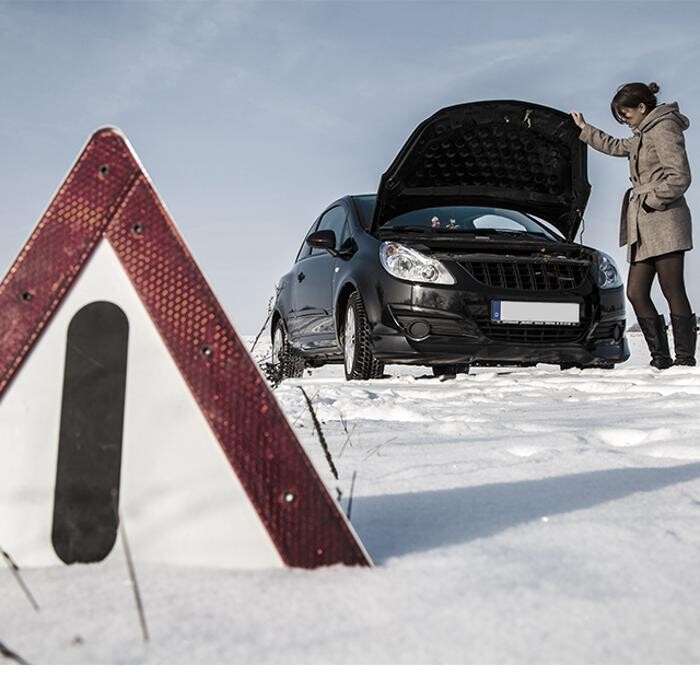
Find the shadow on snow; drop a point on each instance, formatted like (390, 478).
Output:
(399, 524)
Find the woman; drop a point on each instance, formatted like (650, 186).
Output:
(655, 222)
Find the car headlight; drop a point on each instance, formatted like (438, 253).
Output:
(408, 264)
(608, 274)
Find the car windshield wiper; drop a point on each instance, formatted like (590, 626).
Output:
(511, 232)
(413, 228)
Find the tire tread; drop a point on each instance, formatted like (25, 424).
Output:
(366, 366)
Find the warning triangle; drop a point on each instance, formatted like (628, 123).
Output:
(125, 389)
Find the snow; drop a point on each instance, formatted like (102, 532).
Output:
(515, 515)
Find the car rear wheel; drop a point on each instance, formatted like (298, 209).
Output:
(359, 361)
(286, 364)
(450, 370)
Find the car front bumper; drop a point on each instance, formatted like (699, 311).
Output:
(413, 324)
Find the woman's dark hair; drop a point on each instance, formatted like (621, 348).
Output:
(632, 95)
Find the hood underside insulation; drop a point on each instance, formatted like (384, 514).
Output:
(503, 153)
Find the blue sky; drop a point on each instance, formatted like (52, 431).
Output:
(250, 117)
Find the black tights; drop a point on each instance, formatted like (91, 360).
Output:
(669, 267)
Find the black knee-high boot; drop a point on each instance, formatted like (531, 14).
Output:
(654, 330)
(685, 338)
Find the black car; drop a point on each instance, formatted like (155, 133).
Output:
(465, 256)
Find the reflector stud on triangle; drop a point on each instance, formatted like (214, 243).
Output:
(107, 199)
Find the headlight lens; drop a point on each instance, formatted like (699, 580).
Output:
(408, 264)
(608, 274)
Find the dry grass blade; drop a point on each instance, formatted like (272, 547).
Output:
(378, 447)
(14, 568)
(352, 491)
(343, 422)
(9, 654)
(135, 585)
(347, 441)
(132, 570)
(319, 432)
(270, 304)
(314, 403)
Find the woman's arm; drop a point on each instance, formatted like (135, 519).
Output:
(600, 140)
(604, 142)
(669, 142)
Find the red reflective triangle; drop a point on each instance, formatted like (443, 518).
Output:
(107, 194)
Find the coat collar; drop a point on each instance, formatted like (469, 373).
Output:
(662, 111)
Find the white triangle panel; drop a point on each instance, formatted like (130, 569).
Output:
(181, 501)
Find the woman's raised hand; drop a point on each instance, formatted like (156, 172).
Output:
(578, 119)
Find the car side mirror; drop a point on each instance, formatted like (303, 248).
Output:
(323, 238)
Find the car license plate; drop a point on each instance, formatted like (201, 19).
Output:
(535, 312)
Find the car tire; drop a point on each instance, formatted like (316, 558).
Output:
(450, 370)
(286, 363)
(358, 360)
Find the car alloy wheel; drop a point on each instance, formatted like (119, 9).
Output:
(349, 344)
(277, 341)
(359, 360)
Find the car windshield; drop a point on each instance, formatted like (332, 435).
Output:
(455, 219)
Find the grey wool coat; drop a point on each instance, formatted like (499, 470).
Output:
(660, 174)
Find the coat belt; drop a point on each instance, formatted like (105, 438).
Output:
(642, 189)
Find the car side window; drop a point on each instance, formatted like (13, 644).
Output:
(344, 235)
(334, 219)
(306, 250)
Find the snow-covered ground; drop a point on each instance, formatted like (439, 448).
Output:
(514, 516)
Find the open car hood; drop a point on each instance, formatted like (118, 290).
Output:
(501, 153)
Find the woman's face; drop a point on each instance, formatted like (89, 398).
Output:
(633, 115)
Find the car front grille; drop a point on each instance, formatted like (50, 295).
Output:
(527, 333)
(528, 275)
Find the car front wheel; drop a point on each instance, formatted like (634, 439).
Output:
(359, 361)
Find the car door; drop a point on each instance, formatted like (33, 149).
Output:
(312, 297)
